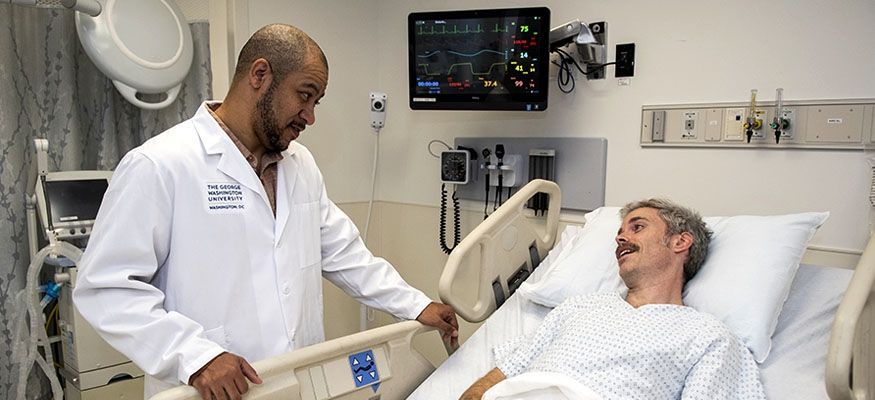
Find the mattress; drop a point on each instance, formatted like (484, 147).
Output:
(794, 369)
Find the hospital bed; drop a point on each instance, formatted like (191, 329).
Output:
(823, 344)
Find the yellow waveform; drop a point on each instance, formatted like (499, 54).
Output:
(450, 69)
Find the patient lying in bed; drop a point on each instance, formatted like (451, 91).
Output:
(648, 345)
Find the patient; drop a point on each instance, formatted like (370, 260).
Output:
(649, 346)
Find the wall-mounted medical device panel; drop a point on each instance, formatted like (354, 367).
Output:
(814, 124)
(455, 166)
(577, 164)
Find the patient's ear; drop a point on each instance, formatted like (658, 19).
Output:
(681, 242)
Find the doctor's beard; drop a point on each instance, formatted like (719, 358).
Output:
(270, 130)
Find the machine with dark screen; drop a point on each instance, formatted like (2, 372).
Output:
(76, 200)
(68, 201)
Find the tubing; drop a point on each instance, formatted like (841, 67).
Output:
(33, 313)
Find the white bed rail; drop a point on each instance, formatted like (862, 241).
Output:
(325, 370)
(850, 374)
(510, 243)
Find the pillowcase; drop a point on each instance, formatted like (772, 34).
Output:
(562, 248)
(744, 281)
(585, 264)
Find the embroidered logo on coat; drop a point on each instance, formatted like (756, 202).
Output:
(224, 197)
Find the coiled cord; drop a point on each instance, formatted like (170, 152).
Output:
(565, 79)
(457, 221)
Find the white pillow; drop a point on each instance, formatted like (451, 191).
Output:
(560, 249)
(744, 281)
(585, 264)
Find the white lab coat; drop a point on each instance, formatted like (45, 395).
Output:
(187, 259)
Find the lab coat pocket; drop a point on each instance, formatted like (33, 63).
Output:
(302, 235)
(218, 336)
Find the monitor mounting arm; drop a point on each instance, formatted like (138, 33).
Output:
(589, 40)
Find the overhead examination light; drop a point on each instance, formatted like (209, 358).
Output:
(147, 68)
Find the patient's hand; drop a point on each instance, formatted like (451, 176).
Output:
(475, 392)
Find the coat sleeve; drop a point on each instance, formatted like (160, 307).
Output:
(130, 242)
(349, 265)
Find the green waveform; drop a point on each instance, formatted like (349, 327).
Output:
(445, 31)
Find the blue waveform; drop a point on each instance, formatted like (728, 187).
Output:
(503, 53)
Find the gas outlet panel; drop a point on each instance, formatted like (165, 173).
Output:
(815, 124)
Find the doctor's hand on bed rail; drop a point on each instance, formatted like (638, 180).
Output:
(224, 377)
(442, 317)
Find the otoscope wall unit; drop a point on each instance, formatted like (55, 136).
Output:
(577, 164)
(799, 124)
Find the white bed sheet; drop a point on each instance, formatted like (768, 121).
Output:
(794, 369)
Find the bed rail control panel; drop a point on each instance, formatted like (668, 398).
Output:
(502, 248)
(376, 364)
(364, 369)
(346, 374)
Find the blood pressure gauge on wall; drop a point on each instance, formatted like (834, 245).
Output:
(455, 166)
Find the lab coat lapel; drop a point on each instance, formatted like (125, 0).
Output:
(232, 162)
(287, 178)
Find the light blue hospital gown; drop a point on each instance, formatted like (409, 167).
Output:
(658, 351)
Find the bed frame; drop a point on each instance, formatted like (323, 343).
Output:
(850, 371)
(325, 370)
(505, 249)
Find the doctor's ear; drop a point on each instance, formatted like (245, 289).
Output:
(260, 73)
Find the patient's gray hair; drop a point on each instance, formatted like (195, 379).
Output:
(679, 219)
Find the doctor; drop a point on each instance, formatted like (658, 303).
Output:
(213, 236)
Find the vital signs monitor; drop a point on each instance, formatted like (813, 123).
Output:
(479, 60)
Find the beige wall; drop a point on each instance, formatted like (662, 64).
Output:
(687, 51)
(407, 236)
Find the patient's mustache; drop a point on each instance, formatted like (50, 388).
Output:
(625, 248)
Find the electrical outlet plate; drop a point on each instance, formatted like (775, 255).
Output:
(733, 124)
(690, 132)
(713, 123)
(625, 56)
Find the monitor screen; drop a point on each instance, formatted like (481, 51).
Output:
(74, 200)
(479, 59)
